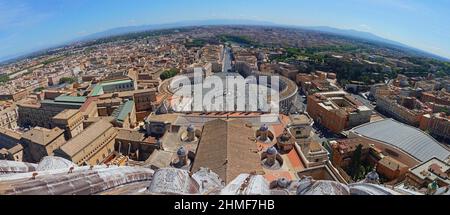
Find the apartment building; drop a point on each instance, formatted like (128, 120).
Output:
(92, 146)
(337, 111)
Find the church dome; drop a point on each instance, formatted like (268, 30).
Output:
(190, 128)
(52, 163)
(285, 136)
(373, 176)
(272, 151)
(264, 128)
(181, 151)
(283, 182)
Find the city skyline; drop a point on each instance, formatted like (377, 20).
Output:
(225, 110)
(27, 26)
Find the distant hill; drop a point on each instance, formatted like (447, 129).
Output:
(372, 38)
(141, 28)
(353, 33)
(217, 22)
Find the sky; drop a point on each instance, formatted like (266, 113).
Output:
(30, 25)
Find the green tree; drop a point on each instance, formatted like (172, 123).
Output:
(39, 89)
(355, 165)
(440, 74)
(67, 80)
(195, 43)
(445, 110)
(4, 78)
(168, 74)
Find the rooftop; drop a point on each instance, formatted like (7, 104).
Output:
(300, 119)
(407, 138)
(227, 148)
(96, 119)
(126, 94)
(159, 159)
(97, 90)
(81, 141)
(75, 105)
(170, 118)
(71, 99)
(108, 83)
(87, 104)
(350, 144)
(391, 163)
(132, 135)
(433, 169)
(42, 136)
(10, 133)
(66, 114)
(124, 110)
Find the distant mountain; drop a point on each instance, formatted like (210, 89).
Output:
(371, 38)
(217, 22)
(353, 33)
(141, 28)
(11, 58)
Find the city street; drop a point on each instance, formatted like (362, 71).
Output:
(364, 101)
(299, 104)
(226, 60)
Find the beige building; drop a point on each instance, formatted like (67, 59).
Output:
(144, 99)
(32, 113)
(8, 117)
(300, 126)
(437, 124)
(71, 121)
(125, 115)
(404, 109)
(10, 149)
(15, 96)
(40, 142)
(337, 111)
(135, 144)
(106, 107)
(15, 153)
(144, 102)
(8, 138)
(92, 146)
(427, 172)
(89, 108)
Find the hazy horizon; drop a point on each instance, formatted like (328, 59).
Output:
(27, 26)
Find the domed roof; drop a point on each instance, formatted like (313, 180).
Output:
(272, 151)
(283, 182)
(372, 176)
(163, 182)
(311, 187)
(246, 184)
(52, 163)
(181, 151)
(370, 189)
(285, 136)
(264, 128)
(190, 128)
